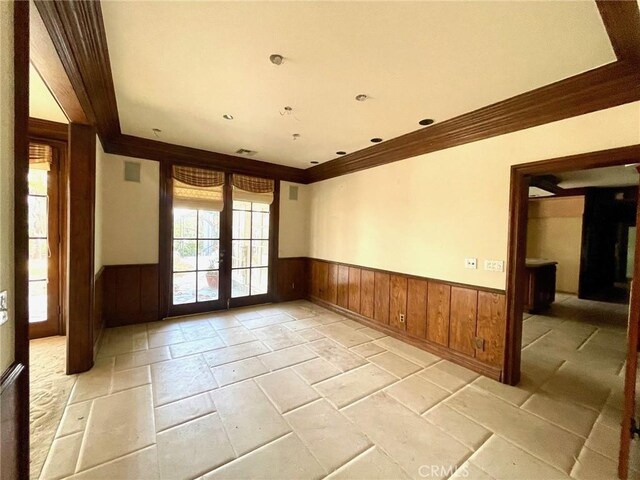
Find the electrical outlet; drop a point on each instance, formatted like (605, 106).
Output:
(479, 343)
(494, 265)
(471, 263)
(402, 318)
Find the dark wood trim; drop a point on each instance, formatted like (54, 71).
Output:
(274, 242)
(410, 276)
(81, 208)
(77, 32)
(443, 352)
(629, 415)
(622, 21)
(605, 87)
(165, 223)
(131, 146)
(518, 217)
(14, 454)
(48, 130)
(15, 407)
(47, 62)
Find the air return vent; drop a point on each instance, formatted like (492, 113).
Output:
(132, 172)
(244, 151)
(293, 192)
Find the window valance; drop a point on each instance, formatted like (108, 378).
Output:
(198, 188)
(40, 156)
(252, 189)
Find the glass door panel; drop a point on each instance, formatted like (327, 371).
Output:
(196, 256)
(44, 299)
(250, 249)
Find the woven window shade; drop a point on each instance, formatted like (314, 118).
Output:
(40, 156)
(198, 188)
(252, 189)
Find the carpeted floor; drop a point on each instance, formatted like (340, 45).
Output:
(50, 389)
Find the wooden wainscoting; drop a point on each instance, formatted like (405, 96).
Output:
(292, 279)
(129, 294)
(462, 323)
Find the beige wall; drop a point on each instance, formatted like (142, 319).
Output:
(294, 222)
(126, 212)
(555, 232)
(426, 214)
(7, 330)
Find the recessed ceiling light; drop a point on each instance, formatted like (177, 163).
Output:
(340, 152)
(314, 163)
(376, 140)
(226, 116)
(361, 97)
(426, 121)
(276, 59)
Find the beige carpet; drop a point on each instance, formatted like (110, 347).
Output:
(50, 390)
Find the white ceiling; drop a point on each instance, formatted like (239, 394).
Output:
(179, 66)
(41, 102)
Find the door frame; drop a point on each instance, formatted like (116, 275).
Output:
(518, 217)
(165, 239)
(38, 135)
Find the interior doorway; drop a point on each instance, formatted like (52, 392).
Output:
(598, 357)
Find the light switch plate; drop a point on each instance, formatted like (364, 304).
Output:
(3, 301)
(4, 316)
(494, 265)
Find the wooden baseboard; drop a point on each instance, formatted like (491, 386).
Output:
(445, 353)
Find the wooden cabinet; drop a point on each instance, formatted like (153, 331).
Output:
(540, 281)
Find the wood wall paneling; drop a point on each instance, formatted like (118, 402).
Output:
(332, 288)
(292, 279)
(81, 206)
(354, 289)
(381, 300)
(417, 294)
(367, 293)
(130, 294)
(438, 313)
(491, 327)
(397, 301)
(462, 324)
(323, 280)
(343, 286)
(14, 454)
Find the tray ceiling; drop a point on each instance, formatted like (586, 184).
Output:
(180, 66)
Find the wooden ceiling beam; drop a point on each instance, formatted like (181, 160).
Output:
(622, 21)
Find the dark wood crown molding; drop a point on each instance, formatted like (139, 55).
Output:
(622, 21)
(167, 152)
(605, 87)
(77, 30)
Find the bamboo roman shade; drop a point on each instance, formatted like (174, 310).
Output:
(252, 189)
(198, 188)
(40, 156)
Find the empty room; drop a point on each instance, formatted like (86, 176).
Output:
(291, 240)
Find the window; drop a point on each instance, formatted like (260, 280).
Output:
(38, 244)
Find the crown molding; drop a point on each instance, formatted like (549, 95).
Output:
(77, 33)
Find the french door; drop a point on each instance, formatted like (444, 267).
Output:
(222, 240)
(44, 241)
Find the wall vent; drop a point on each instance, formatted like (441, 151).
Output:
(132, 172)
(293, 192)
(244, 151)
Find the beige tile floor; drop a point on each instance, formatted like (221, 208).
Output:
(293, 391)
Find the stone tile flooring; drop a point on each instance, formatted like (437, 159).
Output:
(294, 391)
